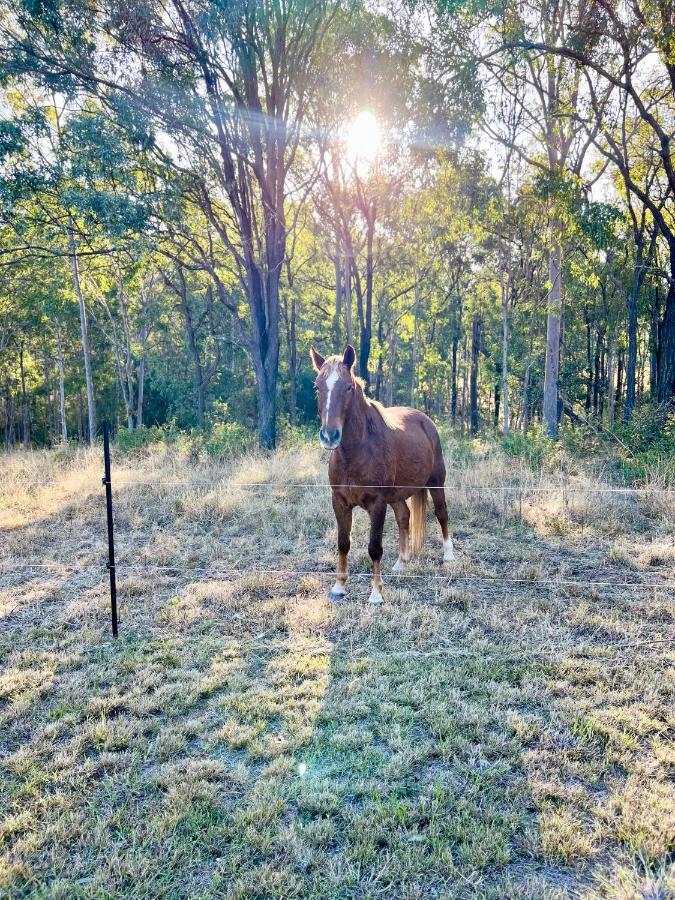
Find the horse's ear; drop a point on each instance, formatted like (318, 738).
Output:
(317, 359)
(349, 357)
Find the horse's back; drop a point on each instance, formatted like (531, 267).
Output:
(409, 422)
(415, 442)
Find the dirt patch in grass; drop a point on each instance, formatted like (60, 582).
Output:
(505, 729)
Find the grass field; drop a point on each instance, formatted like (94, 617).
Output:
(508, 732)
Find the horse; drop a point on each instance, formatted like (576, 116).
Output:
(380, 456)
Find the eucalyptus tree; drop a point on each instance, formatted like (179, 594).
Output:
(628, 49)
(220, 94)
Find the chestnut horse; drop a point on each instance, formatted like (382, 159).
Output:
(380, 457)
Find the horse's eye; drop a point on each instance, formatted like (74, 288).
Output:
(351, 387)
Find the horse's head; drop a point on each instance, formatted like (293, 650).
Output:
(335, 387)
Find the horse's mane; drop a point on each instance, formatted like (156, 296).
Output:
(373, 405)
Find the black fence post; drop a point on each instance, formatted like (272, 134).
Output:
(111, 537)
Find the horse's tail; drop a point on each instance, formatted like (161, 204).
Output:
(418, 520)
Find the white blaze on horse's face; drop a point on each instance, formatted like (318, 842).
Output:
(333, 385)
(331, 381)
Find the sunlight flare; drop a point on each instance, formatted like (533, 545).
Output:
(364, 138)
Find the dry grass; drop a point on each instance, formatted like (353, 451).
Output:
(507, 737)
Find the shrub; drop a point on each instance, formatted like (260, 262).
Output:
(130, 440)
(296, 436)
(531, 446)
(227, 439)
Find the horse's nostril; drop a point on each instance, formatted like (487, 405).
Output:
(334, 435)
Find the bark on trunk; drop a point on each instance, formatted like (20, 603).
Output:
(293, 364)
(9, 418)
(62, 387)
(392, 370)
(654, 344)
(631, 362)
(25, 415)
(140, 378)
(553, 321)
(475, 350)
(665, 388)
(337, 318)
(413, 366)
(505, 361)
(453, 378)
(348, 301)
(88, 377)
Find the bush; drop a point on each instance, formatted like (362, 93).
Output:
(228, 439)
(532, 446)
(292, 437)
(130, 440)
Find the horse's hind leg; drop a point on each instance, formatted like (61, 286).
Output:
(378, 513)
(343, 516)
(402, 513)
(437, 491)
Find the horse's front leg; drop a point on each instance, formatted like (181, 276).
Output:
(343, 516)
(378, 513)
(402, 513)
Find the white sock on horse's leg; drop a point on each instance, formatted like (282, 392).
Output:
(376, 593)
(448, 551)
(337, 591)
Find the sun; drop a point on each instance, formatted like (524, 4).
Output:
(363, 138)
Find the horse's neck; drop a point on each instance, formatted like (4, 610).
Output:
(355, 429)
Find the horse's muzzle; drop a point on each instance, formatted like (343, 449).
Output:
(330, 438)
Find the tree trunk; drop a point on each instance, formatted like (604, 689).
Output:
(619, 379)
(453, 377)
(654, 344)
(197, 368)
(128, 361)
(380, 360)
(337, 318)
(631, 362)
(505, 360)
(413, 367)
(611, 368)
(25, 415)
(392, 369)
(9, 417)
(80, 418)
(140, 377)
(497, 402)
(265, 351)
(293, 362)
(367, 313)
(89, 381)
(596, 370)
(589, 364)
(348, 301)
(665, 388)
(475, 351)
(62, 388)
(49, 412)
(553, 320)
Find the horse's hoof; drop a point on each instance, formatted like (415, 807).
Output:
(375, 598)
(398, 567)
(448, 551)
(336, 596)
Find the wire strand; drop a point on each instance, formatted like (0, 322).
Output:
(324, 485)
(449, 578)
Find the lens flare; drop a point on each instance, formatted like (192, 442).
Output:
(363, 138)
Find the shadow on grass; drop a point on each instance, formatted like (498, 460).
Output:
(245, 739)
